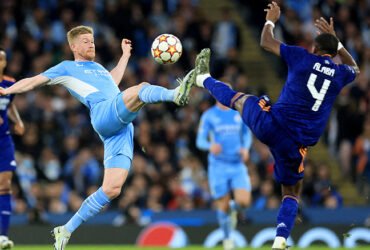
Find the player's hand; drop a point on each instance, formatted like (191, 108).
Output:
(126, 47)
(244, 154)
(273, 12)
(324, 26)
(1, 121)
(215, 149)
(19, 128)
(2, 91)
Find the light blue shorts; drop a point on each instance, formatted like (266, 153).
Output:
(226, 177)
(112, 121)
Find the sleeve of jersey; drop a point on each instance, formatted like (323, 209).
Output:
(202, 136)
(55, 72)
(292, 54)
(247, 137)
(349, 73)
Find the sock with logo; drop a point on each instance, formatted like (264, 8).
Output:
(5, 212)
(154, 94)
(286, 217)
(220, 91)
(89, 208)
(224, 221)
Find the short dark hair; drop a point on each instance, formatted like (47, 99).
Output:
(327, 43)
(2, 48)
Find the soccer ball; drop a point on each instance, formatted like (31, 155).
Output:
(166, 49)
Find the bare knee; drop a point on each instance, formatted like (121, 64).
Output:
(131, 97)
(5, 182)
(243, 202)
(240, 99)
(293, 190)
(112, 191)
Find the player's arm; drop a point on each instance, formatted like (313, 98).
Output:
(118, 71)
(25, 85)
(268, 40)
(16, 119)
(247, 142)
(345, 56)
(202, 141)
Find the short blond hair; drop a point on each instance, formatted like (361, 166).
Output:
(79, 30)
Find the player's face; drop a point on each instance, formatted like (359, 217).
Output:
(83, 47)
(2, 60)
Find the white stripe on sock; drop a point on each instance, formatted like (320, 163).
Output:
(93, 200)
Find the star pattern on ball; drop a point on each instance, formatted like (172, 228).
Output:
(163, 38)
(172, 49)
(157, 52)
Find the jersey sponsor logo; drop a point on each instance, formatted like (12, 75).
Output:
(227, 129)
(96, 72)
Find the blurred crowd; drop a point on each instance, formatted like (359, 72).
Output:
(60, 156)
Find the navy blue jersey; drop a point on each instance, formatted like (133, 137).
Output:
(308, 95)
(4, 104)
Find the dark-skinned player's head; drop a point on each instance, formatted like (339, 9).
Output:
(326, 43)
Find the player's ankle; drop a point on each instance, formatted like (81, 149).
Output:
(201, 78)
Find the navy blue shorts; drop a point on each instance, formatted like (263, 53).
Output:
(7, 160)
(287, 153)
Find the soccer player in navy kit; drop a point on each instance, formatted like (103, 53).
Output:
(228, 140)
(7, 160)
(298, 118)
(111, 112)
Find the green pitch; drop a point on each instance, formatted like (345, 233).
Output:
(126, 247)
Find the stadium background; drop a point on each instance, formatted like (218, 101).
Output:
(60, 156)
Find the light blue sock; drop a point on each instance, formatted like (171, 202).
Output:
(234, 206)
(89, 208)
(154, 94)
(224, 221)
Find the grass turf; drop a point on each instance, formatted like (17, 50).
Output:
(132, 247)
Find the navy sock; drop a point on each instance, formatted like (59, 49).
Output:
(220, 91)
(5, 212)
(224, 221)
(287, 213)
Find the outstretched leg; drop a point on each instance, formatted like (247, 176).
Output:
(219, 90)
(136, 97)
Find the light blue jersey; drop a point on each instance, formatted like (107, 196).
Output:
(89, 82)
(226, 171)
(93, 85)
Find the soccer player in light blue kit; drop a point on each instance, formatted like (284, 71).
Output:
(111, 113)
(298, 118)
(7, 159)
(228, 140)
